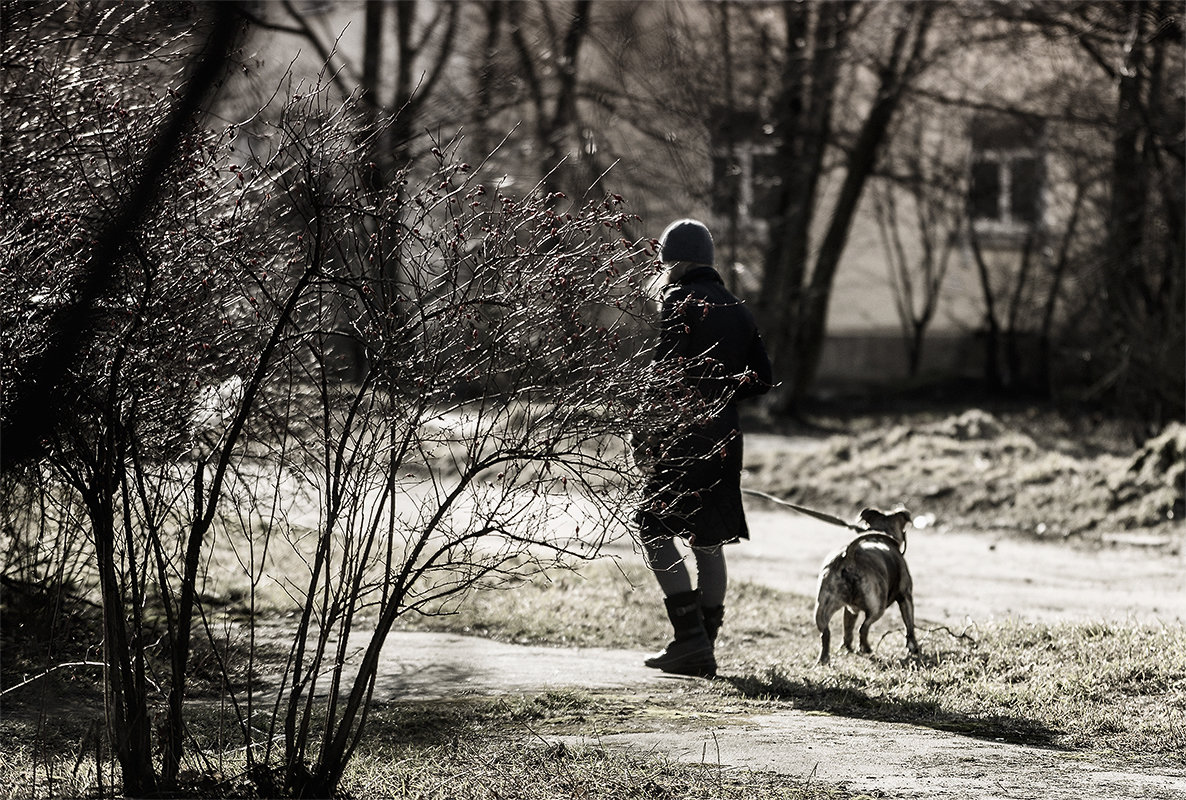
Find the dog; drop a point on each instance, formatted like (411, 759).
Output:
(867, 576)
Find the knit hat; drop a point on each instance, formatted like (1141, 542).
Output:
(686, 240)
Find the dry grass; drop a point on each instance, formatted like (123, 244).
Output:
(505, 749)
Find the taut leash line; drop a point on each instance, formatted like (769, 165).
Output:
(811, 512)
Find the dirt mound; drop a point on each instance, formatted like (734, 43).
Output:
(972, 424)
(978, 471)
(1153, 483)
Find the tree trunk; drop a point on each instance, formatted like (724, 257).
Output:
(484, 138)
(372, 55)
(992, 325)
(404, 105)
(807, 327)
(1126, 284)
(180, 642)
(1054, 294)
(815, 37)
(129, 724)
(560, 129)
(1014, 360)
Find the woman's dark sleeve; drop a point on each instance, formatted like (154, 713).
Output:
(760, 378)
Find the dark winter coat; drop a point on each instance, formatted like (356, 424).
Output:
(694, 490)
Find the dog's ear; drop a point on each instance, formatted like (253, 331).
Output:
(871, 517)
(892, 525)
(902, 518)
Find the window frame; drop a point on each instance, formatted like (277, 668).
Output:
(1009, 145)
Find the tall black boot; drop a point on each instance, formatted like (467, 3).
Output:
(690, 653)
(713, 617)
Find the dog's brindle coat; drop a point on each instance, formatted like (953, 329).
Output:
(867, 576)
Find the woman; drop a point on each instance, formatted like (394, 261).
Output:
(693, 492)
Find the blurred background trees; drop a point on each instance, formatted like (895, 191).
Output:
(788, 126)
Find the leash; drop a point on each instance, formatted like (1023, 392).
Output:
(811, 512)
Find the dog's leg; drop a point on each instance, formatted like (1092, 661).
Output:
(825, 607)
(871, 615)
(906, 606)
(850, 620)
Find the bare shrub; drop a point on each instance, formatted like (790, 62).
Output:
(364, 401)
(501, 373)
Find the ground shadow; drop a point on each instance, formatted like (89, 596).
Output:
(443, 721)
(853, 702)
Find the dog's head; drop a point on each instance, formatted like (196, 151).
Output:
(892, 524)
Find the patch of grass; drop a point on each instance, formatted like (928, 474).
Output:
(1118, 689)
(603, 604)
(469, 769)
(442, 721)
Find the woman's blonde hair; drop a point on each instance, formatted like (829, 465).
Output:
(671, 273)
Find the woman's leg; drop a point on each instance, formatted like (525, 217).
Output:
(712, 576)
(690, 652)
(713, 579)
(666, 561)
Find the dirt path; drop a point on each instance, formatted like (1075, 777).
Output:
(881, 759)
(903, 761)
(434, 666)
(960, 577)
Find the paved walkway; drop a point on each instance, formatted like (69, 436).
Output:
(432, 666)
(904, 761)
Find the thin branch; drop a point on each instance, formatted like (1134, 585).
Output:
(50, 671)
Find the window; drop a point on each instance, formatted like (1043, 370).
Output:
(726, 184)
(984, 201)
(1007, 177)
(745, 179)
(1025, 189)
(767, 180)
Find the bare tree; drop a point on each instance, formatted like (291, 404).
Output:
(797, 282)
(1138, 272)
(922, 174)
(102, 304)
(486, 440)
(69, 323)
(554, 111)
(399, 76)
